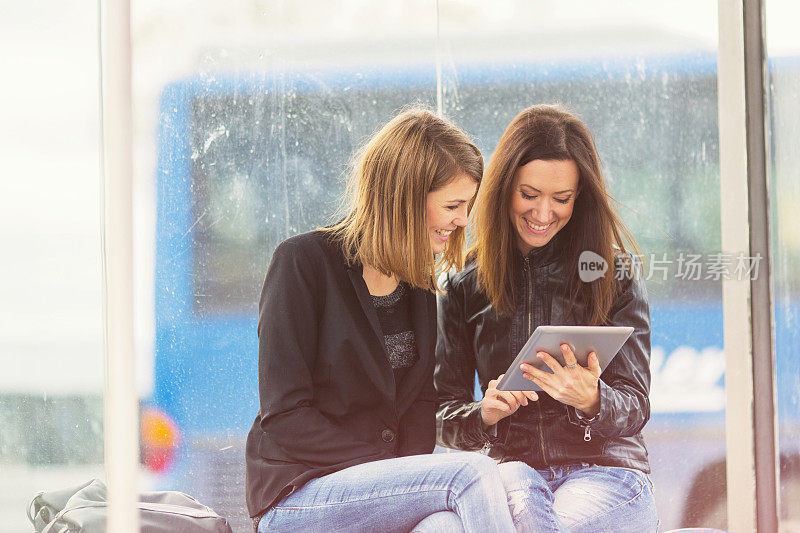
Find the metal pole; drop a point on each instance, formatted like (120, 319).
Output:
(121, 403)
(761, 287)
(439, 92)
(740, 439)
(749, 346)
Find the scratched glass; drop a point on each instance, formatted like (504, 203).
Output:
(245, 127)
(247, 124)
(783, 126)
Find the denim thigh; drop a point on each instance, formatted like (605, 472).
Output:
(391, 495)
(603, 498)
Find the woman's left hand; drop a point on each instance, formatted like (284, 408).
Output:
(572, 384)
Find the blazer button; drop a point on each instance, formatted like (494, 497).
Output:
(387, 435)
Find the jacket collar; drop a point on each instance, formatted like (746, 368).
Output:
(544, 255)
(356, 273)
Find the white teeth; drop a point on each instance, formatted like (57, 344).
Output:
(444, 232)
(537, 228)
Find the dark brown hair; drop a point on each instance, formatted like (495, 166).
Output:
(385, 224)
(548, 133)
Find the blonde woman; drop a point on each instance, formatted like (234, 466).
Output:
(347, 330)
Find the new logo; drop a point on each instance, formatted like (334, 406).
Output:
(591, 266)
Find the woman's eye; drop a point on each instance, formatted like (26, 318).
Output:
(451, 207)
(527, 196)
(564, 201)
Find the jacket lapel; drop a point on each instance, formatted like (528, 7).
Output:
(423, 316)
(381, 360)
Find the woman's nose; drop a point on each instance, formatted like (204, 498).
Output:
(461, 217)
(541, 211)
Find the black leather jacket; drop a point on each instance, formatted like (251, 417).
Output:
(546, 432)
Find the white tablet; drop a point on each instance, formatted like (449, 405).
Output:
(605, 341)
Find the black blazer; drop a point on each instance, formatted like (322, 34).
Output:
(326, 387)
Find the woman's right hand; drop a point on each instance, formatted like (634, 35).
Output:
(496, 404)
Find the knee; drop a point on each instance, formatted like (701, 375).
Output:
(528, 495)
(441, 521)
(478, 465)
(475, 468)
(518, 476)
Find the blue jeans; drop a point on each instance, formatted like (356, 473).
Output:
(398, 495)
(579, 498)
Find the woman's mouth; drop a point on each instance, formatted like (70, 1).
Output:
(443, 234)
(537, 228)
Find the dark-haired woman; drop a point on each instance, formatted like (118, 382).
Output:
(347, 331)
(572, 456)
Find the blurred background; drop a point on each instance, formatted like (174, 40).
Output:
(246, 113)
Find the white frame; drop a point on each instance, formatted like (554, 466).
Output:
(747, 305)
(736, 293)
(121, 413)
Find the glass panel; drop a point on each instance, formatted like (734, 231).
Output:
(242, 175)
(783, 127)
(643, 78)
(51, 383)
(256, 109)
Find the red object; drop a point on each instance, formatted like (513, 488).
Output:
(159, 438)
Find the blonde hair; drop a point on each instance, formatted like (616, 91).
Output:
(385, 225)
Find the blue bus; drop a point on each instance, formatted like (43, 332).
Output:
(246, 160)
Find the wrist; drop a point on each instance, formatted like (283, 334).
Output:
(590, 411)
(592, 407)
(483, 417)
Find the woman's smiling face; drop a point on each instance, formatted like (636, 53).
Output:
(447, 209)
(542, 198)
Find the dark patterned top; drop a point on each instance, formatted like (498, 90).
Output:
(394, 315)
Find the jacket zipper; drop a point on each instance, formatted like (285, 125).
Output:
(528, 300)
(530, 331)
(587, 433)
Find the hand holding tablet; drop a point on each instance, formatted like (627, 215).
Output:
(604, 341)
(497, 405)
